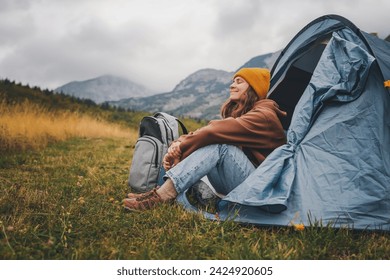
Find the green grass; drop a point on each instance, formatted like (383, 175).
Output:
(63, 202)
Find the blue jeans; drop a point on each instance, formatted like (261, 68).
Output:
(226, 167)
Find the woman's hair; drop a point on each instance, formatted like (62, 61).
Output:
(244, 105)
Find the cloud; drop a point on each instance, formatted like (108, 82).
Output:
(232, 18)
(10, 5)
(154, 43)
(12, 30)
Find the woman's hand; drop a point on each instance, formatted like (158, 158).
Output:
(174, 149)
(173, 156)
(170, 161)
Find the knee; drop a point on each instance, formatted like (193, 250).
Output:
(226, 148)
(221, 149)
(208, 148)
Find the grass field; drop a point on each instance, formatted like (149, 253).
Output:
(63, 202)
(26, 126)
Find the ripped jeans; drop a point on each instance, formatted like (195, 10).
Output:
(226, 166)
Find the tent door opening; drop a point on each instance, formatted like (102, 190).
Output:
(293, 83)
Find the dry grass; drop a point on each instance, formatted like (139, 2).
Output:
(30, 126)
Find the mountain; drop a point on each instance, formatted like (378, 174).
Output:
(200, 95)
(104, 88)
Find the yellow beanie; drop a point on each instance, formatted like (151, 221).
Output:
(257, 78)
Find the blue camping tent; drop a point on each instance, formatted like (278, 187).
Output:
(332, 79)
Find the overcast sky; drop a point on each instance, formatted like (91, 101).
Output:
(156, 43)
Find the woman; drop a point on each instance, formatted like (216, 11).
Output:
(226, 150)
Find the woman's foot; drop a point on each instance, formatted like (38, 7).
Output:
(136, 195)
(139, 202)
(145, 201)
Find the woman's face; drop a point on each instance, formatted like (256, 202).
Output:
(237, 88)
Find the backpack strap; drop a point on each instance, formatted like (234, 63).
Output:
(183, 128)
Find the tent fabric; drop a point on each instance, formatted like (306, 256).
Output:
(380, 48)
(335, 167)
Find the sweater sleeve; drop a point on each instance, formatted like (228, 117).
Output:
(257, 129)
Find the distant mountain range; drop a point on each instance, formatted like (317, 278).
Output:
(200, 95)
(104, 88)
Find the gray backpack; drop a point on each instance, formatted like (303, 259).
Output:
(156, 133)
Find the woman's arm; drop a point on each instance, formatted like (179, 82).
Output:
(260, 128)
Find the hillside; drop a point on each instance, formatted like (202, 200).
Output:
(13, 93)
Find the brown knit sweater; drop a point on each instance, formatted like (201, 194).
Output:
(257, 132)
